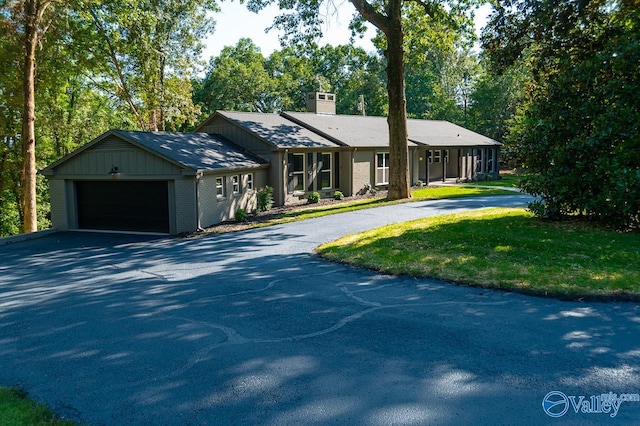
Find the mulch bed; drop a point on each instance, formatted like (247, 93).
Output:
(276, 212)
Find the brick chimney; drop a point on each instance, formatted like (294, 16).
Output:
(321, 103)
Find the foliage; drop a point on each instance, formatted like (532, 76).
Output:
(237, 81)
(16, 410)
(567, 260)
(313, 198)
(242, 79)
(265, 198)
(579, 132)
(145, 54)
(338, 195)
(241, 215)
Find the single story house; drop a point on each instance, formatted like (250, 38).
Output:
(181, 182)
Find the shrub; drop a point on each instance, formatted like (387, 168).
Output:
(265, 198)
(313, 198)
(338, 195)
(241, 215)
(373, 191)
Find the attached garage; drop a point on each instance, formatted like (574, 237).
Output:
(123, 205)
(152, 182)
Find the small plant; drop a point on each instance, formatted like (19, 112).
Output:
(373, 191)
(265, 198)
(241, 215)
(419, 184)
(338, 195)
(313, 198)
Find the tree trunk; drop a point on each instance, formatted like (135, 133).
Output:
(28, 169)
(398, 141)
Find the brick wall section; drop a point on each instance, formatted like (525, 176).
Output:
(363, 169)
(214, 209)
(59, 203)
(185, 202)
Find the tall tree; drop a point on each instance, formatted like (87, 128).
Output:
(30, 23)
(386, 16)
(148, 50)
(237, 80)
(579, 131)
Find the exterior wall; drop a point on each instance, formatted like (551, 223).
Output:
(214, 209)
(184, 206)
(363, 169)
(59, 205)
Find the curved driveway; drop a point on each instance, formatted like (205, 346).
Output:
(252, 328)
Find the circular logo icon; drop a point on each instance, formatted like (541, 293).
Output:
(555, 404)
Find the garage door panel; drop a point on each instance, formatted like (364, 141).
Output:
(123, 205)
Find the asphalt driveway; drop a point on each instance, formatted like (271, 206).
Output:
(252, 328)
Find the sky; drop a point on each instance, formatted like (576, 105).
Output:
(235, 22)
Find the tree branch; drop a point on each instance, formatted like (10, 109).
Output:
(369, 13)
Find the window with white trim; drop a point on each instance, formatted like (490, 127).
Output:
(220, 181)
(296, 172)
(324, 170)
(235, 180)
(249, 181)
(382, 168)
(437, 156)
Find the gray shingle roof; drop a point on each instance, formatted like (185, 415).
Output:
(198, 151)
(443, 133)
(278, 131)
(359, 131)
(351, 130)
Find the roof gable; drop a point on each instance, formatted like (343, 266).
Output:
(277, 130)
(195, 151)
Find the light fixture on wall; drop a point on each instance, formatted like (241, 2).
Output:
(114, 171)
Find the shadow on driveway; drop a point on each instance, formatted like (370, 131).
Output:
(245, 328)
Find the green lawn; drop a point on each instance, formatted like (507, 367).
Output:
(502, 248)
(17, 410)
(420, 194)
(509, 180)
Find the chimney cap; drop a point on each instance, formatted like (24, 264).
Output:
(321, 102)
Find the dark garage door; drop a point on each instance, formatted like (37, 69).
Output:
(123, 205)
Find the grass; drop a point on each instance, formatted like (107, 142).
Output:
(421, 194)
(504, 249)
(509, 180)
(17, 409)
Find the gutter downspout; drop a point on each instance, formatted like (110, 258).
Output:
(198, 180)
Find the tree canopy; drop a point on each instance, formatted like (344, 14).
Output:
(578, 131)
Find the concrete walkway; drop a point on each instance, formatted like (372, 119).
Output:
(252, 328)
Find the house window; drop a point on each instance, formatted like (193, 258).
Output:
(437, 156)
(235, 180)
(446, 155)
(249, 181)
(479, 160)
(324, 168)
(489, 154)
(296, 172)
(382, 168)
(220, 186)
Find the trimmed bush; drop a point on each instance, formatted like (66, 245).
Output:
(265, 198)
(338, 195)
(313, 198)
(241, 215)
